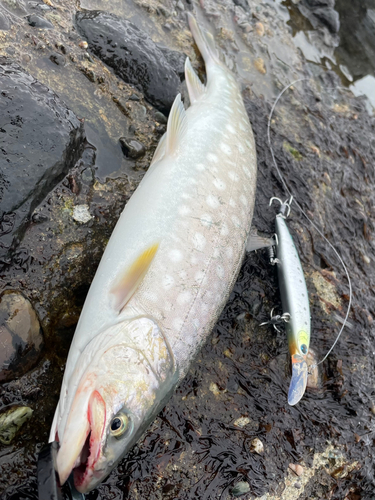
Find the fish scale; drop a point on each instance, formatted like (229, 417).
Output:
(164, 278)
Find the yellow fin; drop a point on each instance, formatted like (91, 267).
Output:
(128, 282)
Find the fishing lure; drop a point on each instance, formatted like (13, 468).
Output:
(294, 297)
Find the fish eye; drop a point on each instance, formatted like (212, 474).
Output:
(304, 348)
(119, 425)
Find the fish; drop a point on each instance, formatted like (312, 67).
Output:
(294, 297)
(164, 278)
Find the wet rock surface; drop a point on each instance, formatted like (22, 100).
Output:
(234, 397)
(20, 337)
(40, 140)
(132, 54)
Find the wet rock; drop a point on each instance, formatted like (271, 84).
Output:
(321, 12)
(57, 58)
(175, 59)
(39, 22)
(329, 18)
(132, 55)
(81, 213)
(240, 489)
(4, 22)
(241, 422)
(11, 420)
(20, 336)
(132, 148)
(242, 3)
(296, 468)
(40, 140)
(260, 66)
(160, 117)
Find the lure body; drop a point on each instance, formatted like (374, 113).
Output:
(295, 302)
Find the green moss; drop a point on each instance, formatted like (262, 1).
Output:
(290, 149)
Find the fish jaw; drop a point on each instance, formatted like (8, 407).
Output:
(299, 379)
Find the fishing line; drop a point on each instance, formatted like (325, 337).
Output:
(310, 221)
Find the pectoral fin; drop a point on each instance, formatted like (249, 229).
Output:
(299, 379)
(256, 242)
(128, 282)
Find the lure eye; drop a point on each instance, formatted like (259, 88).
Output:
(119, 425)
(304, 348)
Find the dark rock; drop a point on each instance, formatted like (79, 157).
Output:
(242, 3)
(132, 147)
(175, 59)
(39, 22)
(40, 140)
(320, 3)
(134, 97)
(240, 489)
(57, 58)
(329, 17)
(20, 336)
(132, 55)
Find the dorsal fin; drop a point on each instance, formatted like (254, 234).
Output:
(195, 87)
(177, 125)
(159, 151)
(128, 282)
(204, 40)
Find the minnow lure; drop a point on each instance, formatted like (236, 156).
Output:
(294, 298)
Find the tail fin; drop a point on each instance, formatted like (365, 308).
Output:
(204, 40)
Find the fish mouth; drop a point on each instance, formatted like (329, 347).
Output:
(299, 379)
(80, 452)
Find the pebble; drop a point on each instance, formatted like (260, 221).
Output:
(296, 468)
(259, 28)
(21, 339)
(11, 420)
(57, 58)
(256, 446)
(180, 5)
(259, 65)
(83, 44)
(160, 117)
(81, 213)
(241, 488)
(214, 388)
(241, 422)
(132, 148)
(38, 22)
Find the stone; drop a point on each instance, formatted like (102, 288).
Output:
(132, 148)
(256, 446)
(57, 58)
(175, 59)
(240, 489)
(160, 117)
(39, 22)
(132, 54)
(40, 140)
(11, 420)
(20, 336)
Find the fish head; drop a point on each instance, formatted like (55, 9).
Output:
(298, 349)
(122, 390)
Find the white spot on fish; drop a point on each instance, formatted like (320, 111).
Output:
(236, 220)
(225, 148)
(199, 241)
(230, 129)
(193, 259)
(184, 210)
(228, 109)
(206, 220)
(243, 128)
(184, 298)
(152, 297)
(216, 253)
(212, 157)
(176, 255)
(182, 275)
(243, 200)
(201, 167)
(229, 252)
(199, 276)
(186, 196)
(220, 271)
(212, 201)
(249, 144)
(167, 282)
(241, 149)
(224, 231)
(232, 203)
(178, 323)
(233, 176)
(219, 184)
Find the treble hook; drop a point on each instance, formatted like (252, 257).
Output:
(284, 206)
(277, 320)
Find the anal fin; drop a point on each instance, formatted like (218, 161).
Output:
(195, 87)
